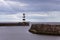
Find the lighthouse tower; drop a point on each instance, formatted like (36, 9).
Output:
(24, 20)
(23, 17)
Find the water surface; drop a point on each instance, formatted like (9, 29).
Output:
(21, 33)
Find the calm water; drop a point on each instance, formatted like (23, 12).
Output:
(21, 33)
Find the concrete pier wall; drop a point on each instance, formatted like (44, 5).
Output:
(45, 29)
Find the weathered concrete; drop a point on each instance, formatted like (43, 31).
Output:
(45, 29)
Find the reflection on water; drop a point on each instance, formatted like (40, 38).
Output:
(21, 33)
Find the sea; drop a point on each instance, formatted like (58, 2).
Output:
(22, 33)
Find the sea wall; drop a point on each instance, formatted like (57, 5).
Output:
(45, 29)
(15, 24)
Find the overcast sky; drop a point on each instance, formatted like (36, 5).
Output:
(36, 10)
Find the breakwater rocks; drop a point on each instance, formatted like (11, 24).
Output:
(15, 24)
(45, 29)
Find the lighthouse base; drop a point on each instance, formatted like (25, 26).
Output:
(23, 23)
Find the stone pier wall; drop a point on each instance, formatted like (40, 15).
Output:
(45, 29)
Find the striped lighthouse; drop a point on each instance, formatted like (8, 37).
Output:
(23, 17)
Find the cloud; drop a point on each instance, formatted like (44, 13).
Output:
(36, 10)
(40, 5)
(11, 6)
(33, 17)
(18, 4)
(52, 16)
(9, 18)
(30, 5)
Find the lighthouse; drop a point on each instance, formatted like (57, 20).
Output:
(23, 23)
(24, 20)
(23, 17)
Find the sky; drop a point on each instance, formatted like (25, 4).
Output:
(35, 10)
